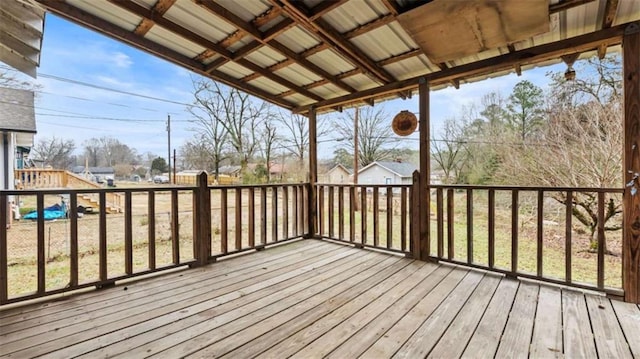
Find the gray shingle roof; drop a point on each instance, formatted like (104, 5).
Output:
(16, 110)
(404, 169)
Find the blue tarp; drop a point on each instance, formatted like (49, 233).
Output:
(53, 212)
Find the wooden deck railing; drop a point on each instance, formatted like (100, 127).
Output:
(160, 228)
(504, 229)
(376, 216)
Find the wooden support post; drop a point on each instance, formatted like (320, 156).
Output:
(313, 174)
(415, 216)
(631, 200)
(425, 169)
(202, 230)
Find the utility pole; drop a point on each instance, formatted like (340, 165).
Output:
(169, 144)
(355, 153)
(174, 167)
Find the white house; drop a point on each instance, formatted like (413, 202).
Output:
(387, 172)
(338, 174)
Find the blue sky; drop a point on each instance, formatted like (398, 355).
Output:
(79, 112)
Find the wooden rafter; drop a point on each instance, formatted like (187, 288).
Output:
(95, 23)
(608, 17)
(329, 35)
(260, 40)
(160, 8)
(188, 34)
(392, 6)
(564, 5)
(533, 55)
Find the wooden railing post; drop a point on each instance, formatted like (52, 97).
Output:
(202, 222)
(313, 175)
(415, 216)
(631, 152)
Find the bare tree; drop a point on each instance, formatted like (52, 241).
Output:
(268, 139)
(579, 148)
(236, 112)
(449, 152)
(92, 151)
(54, 152)
(9, 80)
(375, 140)
(295, 137)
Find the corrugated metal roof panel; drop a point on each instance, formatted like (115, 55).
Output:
(299, 99)
(177, 43)
(108, 12)
(329, 91)
(383, 43)
(145, 3)
(331, 62)
(247, 10)
(240, 43)
(353, 14)
(627, 11)
(297, 39)
(265, 57)
(408, 68)
(360, 82)
(582, 19)
(298, 75)
(270, 86)
(193, 17)
(234, 70)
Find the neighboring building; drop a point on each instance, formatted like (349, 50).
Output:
(387, 172)
(338, 174)
(17, 128)
(232, 171)
(96, 174)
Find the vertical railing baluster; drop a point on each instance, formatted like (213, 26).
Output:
(330, 212)
(238, 219)
(73, 239)
(285, 212)
(296, 229)
(224, 229)
(568, 234)
(403, 219)
(252, 217)
(540, 235)
(363, 215)
(263, 215)
(102, 235)
(352, 214)
(274, 214)
(4, 255)
(321, 210)
(128, 234)
(440, 222)
(376, 217)
(469, 226)
(341, 212)
(151, 216)
(450, 226)
(492, 228)
(389, 217)
(601, 240)
(175, 227)
(514, 231)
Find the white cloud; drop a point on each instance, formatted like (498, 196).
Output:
(121, 60)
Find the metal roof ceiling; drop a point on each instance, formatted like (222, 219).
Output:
(331, 53)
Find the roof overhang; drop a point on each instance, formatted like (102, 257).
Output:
(332, 54)
(21, 28)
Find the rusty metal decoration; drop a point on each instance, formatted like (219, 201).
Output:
(404, 123)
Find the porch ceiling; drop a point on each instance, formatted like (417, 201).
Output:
(331, 54)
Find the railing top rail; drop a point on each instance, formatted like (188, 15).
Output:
(400, 185)
(266, 185)
(529, 188)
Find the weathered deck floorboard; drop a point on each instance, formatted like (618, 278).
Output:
(311, 299)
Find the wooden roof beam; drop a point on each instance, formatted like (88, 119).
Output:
(188, 34)
(260, 40)
(97, 24)
(160, 8)
(564, 5)
(328, 34)
(533, 55)
(608, 17)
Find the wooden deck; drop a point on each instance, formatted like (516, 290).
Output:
(311, 299)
